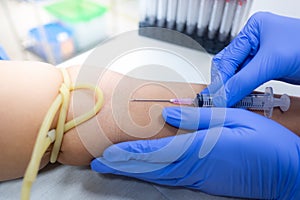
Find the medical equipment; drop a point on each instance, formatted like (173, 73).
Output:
(192, 16)
(162, 12)
(242, 7)
(212, 23)
(181, 15)
(227, 20)
(171, 13)
(215, 18)
(45, 137)
(265, 102)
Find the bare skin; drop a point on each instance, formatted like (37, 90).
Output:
(28, 89)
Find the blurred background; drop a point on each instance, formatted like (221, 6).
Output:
(56, 30)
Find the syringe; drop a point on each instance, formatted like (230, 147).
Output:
(265, 102)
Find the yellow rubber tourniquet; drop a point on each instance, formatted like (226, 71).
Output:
(46, 137)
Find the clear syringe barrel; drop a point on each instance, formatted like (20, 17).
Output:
(265, 102)
(253, 101)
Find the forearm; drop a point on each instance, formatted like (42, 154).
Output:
(121, 120)
(29, 88)
(290, 118)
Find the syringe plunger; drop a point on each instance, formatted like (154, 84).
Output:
(265, 102)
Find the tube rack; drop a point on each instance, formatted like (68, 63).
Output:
(212, 23)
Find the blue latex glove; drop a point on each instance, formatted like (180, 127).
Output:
(3, 55)
(267, 48)
(238, 154)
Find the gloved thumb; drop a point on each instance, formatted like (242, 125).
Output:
(233, 57)
(243, 83)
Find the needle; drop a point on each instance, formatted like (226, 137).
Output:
(180, 101)
(152, 100)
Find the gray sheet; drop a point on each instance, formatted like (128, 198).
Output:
(69, 182)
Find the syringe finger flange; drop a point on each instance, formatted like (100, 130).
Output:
(269, 102)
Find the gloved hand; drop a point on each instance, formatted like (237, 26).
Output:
(267, 48)
(3, 55)
(238, 154)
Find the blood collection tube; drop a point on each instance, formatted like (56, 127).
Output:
(143, 10)
(192, 15)
(236, 24)
(171, 13)
(215, 19)
(205, 9)
(152, 10)
(227, 19)
(181, 15)
(162, 12)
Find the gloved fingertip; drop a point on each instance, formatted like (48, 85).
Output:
(205, 91)
(98, 166)
(110, 152)
(165, 113)
(117, 152)
(182, 117)
(172, 115)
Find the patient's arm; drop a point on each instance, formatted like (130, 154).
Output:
(113, 124)
(28, 89)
